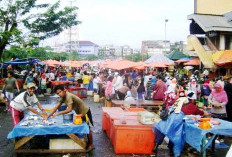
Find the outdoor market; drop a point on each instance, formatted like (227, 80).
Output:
(142, 102)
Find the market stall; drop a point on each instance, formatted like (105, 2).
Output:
(33, 126)
(196, 136)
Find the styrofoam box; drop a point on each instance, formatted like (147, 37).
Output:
(64, 144)
(90, 93)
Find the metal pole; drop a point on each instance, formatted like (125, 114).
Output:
(166, 20)
(70, 37)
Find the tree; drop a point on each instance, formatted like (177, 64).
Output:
(137, 57)
(75, 56)
(20, 24)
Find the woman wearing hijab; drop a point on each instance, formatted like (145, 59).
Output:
(109, 88)
(218, 100)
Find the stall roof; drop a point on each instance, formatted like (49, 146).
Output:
(120, 64)
(212, 22)
(193, 62)
(158, 57)
(222, 57)
(183, 60)
(175, 55)
(158, 64)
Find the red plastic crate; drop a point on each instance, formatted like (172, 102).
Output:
(80, 92)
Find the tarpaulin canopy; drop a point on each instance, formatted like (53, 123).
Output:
(183, 60)
(52, 63)
(140, 66)
(158, 64)
(222, 57)
(158, 57)
(120, 64)
(193, 62)
(23, 62)
(175, 55)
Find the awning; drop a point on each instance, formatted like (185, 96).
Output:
(158, 64)
(222, 57)
(175, 55)
(193, 62)
(183, 60)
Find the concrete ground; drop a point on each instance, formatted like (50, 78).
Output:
(103, 147)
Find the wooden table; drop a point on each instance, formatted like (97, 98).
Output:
(23, 134)
(19, 143)
(147, 104)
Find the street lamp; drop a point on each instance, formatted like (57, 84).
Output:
(166, 20)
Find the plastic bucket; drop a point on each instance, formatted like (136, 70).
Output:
(68, 118)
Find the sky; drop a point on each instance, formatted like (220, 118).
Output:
(129, 22)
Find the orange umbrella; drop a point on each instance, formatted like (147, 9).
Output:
(140, 65)
(121, 64)
(158, 64)
(194, 61)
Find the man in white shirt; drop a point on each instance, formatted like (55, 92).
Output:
(24, 101)
(95, 83)
(118, 83)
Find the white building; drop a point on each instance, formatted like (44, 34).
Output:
(83, 48)
(152, 47)
(87, 48)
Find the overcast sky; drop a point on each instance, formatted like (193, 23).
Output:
(121, 22)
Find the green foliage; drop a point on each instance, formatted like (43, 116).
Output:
(93, 57)
(42, 53)
(136, 57)
(46, 22)
(75, 56)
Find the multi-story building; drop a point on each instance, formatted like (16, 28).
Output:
(126, 50)
(152, 47)
(82, 47)
(87, 48)
(115, 51)
(211, 29)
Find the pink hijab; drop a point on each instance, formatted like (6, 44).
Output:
(219, 96)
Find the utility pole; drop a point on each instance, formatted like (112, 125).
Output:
(166, 20)
(70, 36)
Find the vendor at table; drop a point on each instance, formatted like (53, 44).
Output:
(173, 126)
(74, 103)
(25, 101)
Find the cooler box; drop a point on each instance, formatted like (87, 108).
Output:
(105, 119)
(133, 137)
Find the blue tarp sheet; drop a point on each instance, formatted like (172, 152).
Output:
(173, 129)
(58, 128)
(23, 62)
(194, 134)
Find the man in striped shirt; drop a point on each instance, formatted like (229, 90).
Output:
(24, 101)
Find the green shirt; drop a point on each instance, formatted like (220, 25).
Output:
(77, 104)
(10, 83)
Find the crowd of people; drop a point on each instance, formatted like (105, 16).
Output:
(213, 94)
